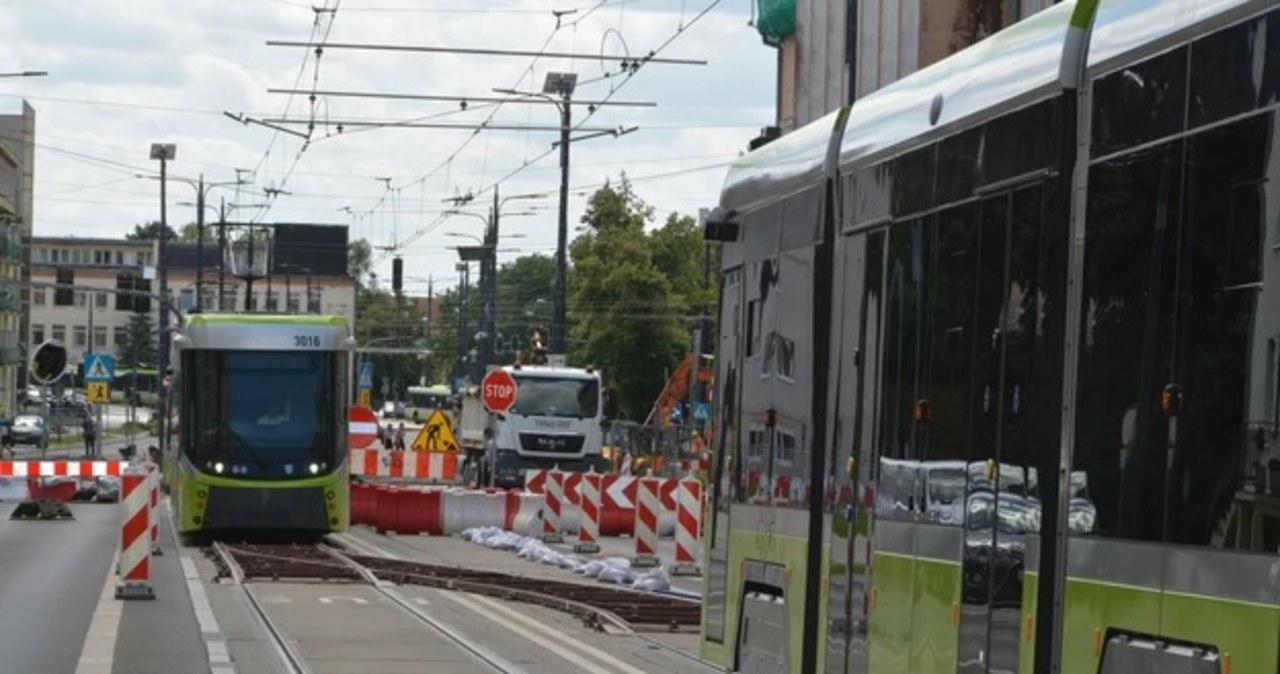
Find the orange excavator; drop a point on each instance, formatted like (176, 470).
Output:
(677, 389)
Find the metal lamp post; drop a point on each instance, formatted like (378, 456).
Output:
(164, 152)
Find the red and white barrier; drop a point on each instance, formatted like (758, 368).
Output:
(589, 507)
(688, 527)
(617, 503)
(135, 547)
(464, 509)
(524, 513)
(62, 468)
(438, 466)
(647, 504)
(554, 501)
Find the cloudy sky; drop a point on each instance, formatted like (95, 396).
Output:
(126, 73)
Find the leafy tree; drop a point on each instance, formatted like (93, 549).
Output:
(625, 312)
(382, 321)
(359, 261)
(150, 232)
(139, 347)
(525, 288)
(190, 233)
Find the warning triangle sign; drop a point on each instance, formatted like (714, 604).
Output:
(436, 435)
(97, 370)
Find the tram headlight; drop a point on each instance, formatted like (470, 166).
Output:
(217, 467)
(314, 468)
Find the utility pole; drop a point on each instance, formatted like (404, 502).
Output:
(490, 274)
(558, 323)
(164, 152)
(431, 305)
(222, 252)
(200, 245)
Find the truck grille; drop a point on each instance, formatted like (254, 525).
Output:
(555, 444)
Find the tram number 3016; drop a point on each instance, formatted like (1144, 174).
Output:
(306, 341)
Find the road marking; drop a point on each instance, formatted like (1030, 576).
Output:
(214, 644)
(583, 663)
(353, 600)
(556, 636)
(97, 656)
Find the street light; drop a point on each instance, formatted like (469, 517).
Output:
(201, 191)
(164, 152)
(562, 85)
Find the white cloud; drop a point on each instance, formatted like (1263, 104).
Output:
(164, 70)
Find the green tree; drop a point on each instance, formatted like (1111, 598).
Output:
(626, 314)
(150, 232)
(139, 347)
(190, 233)
(359, 261)
(384, 322)
(524, 301)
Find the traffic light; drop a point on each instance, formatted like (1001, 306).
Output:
(49, 362)
(397, 275)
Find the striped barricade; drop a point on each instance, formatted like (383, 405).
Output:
(62, 468)
(589, 507)
(688, 527)
(135, 537)
(647, 506)
(554, 502)
(437, 466)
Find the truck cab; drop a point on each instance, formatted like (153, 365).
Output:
(556, 421)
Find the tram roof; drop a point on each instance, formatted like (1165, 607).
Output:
(1007, 70)
(266, 319)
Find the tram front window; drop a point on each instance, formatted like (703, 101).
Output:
(263, 414)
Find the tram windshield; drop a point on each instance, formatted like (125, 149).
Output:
(262, 414)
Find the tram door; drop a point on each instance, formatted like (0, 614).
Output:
(1002, 507)
(857, 348)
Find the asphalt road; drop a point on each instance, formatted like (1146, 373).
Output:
(51, 574)
(110, 449)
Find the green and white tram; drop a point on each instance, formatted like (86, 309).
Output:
(259, 445)
(999, 361)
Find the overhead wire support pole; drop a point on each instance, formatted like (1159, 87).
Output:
(426, 49)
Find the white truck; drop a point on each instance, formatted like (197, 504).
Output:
(556, 421)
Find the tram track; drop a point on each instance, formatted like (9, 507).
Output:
(242, 564)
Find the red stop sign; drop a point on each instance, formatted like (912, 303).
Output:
(498, 390)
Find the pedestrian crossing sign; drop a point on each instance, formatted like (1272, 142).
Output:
(436, 435)
(98, 367)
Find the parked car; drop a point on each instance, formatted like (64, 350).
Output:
(392, 410)
(29, 429)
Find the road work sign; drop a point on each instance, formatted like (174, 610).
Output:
(436, 435)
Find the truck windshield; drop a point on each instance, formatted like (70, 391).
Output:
(557, 397)
(262, 413)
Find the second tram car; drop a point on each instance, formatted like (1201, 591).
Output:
(998, 379)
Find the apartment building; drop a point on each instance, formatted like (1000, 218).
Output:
(17, 171)
(832, 52)
(88, 316)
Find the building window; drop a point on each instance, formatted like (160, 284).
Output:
(81, 336)
(81, 299)
(42, 255)
(121, 335)
(119, 257)
(100, 300)
(59, 334)
(273, 300)
(99, 336)
(63, 297)
(37, 297)
(37, 334)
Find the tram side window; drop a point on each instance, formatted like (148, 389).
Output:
(1225, 75)
(1228, 286)
(1140, 103)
